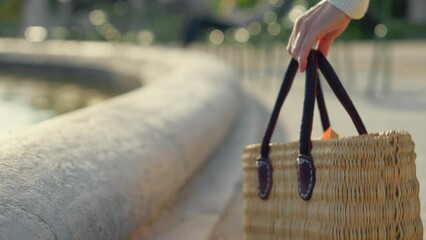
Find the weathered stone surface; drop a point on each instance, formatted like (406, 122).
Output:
(100, 172)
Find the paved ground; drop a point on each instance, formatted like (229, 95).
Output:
(396, 99)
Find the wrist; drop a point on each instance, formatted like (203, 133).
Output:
(354, 9)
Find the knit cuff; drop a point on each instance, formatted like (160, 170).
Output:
(355, 9)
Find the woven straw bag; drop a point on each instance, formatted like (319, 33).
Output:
(360, 187)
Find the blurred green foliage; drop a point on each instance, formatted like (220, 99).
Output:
(10, 10)
(246, 3)
(10, 17)
(390, 13)
(166, 19)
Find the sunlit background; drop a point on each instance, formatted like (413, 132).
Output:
(221, 27)
(173, 21)
(380, 59)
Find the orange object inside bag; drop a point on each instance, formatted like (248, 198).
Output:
(329, 134)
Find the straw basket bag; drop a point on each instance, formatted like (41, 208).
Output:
(360, 187)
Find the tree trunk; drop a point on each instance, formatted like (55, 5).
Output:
(416, 11)
(35, 13)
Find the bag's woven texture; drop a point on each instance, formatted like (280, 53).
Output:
(366, 188)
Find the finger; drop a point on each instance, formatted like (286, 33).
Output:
(304, 42)
(305, 48)
(324, 45)
(305, 38)
(298, 38)
(297, 29)
(293, 36)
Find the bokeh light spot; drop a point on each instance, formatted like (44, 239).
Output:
(216, 37)
(254, 28)
(97, 17)
(146, 37)
(269, 17)
(274, 29)
(112, 34)
(296, 12)
(380, 30)
(242, 35)
(104, 28)
(35, 33)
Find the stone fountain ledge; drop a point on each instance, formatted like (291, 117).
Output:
(102, 171)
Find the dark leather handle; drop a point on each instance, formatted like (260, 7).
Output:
(263, 163)
(305, 164)
(325, 121)
(282, 95)
(316, 57)
(308, 105)
(340, 92)
(306, 169)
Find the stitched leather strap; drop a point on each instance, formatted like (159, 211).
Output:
(282, 95)
(306, 169)
(305, 163)
(308, 105)
(264, 166)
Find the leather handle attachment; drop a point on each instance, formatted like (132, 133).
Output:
(264, 165)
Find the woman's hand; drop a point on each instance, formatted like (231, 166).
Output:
(322, 23)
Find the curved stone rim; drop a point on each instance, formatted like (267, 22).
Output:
(102, 171)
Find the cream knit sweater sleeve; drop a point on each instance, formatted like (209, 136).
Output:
(355, 9)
